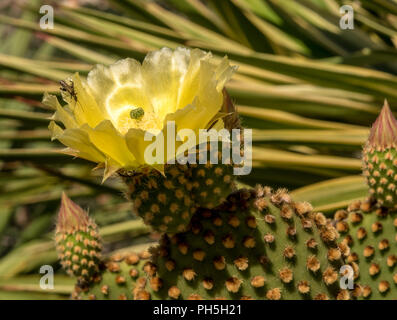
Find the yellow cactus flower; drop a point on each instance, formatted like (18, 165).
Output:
(106, 116)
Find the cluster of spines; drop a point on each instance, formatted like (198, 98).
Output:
(234, 253)
(77, 241)
(371, 232)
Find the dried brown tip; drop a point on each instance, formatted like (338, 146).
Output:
(71, 217)
(383, 133)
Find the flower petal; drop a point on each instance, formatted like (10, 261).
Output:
(223, 73)
(137, 144)
(190, 85)
(85, 109)
(106, 138)
(163, 73)
(107, 117)
(50, 101)
(78, 140)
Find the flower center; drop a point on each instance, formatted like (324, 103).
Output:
(137, 113)
(136, 117)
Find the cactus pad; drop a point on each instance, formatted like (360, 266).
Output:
(212, 182)
(162, 201)
(258, 245)
(122, 279)
(371, 232)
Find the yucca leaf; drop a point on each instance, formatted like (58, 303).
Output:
(29, 66)
(27, 89)
(62, 284)
(343, 138)
(277, 119)
(280, 158)
(72, 33)
(78, 51)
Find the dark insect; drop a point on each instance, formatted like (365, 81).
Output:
(69, 88)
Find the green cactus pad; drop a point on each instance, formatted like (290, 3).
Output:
(212, 182)
(371, 232)
(258, 245)
(162, 201)
(123, 278)
(167, 202)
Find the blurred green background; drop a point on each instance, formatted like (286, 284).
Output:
(307, 88)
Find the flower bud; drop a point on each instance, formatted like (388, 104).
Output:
(77, 240)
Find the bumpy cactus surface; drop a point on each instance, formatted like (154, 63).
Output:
(122, 278)
(77, 241)
(163, 201)
(212, 184)
(257, 245)
(371, 232)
